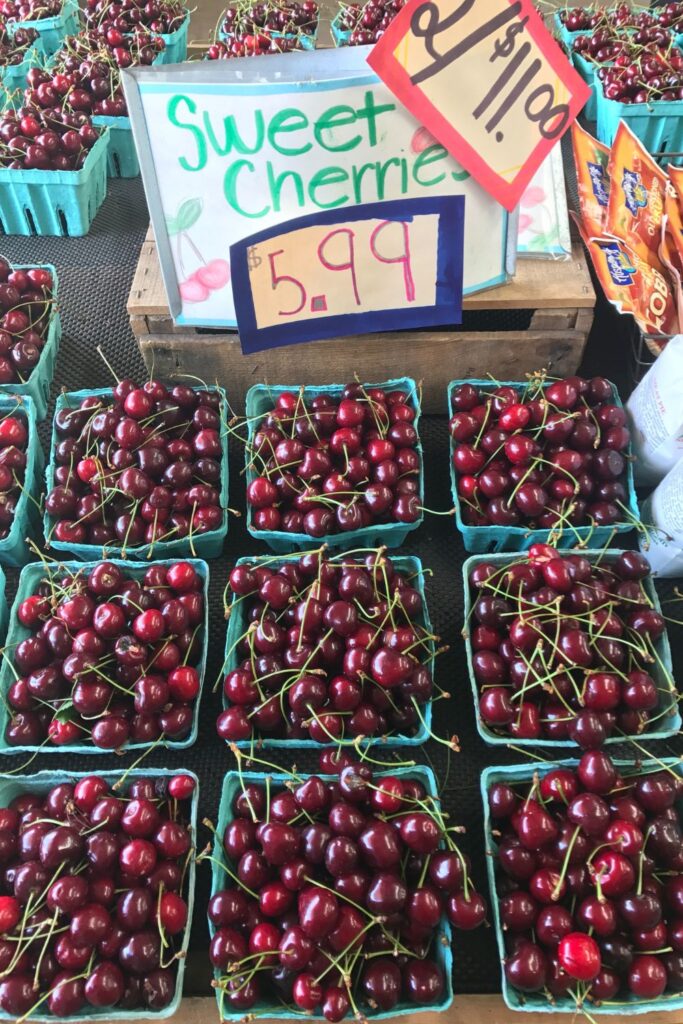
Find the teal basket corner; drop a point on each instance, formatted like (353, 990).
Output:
(13, 78)
(38, 385)
(41, 782)
(176, 43)
(532, 1002)
(237, 625)
(588, 71)
(479, 539)
(658, 125)
(259, 400)
(29, 579)
(203, 545)
(53, 31)
(340, 36)
(14, 548)
(122, 157)
(232, 783)
(63, 203)
(659, 673)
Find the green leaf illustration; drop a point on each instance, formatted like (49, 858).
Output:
(172, 225)
(188, 214)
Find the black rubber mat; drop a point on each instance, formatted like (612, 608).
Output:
(95, 276)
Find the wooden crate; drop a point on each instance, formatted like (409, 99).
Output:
(558, 294)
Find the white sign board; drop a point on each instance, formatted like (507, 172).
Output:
(228, 148)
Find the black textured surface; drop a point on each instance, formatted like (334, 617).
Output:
(95, 276)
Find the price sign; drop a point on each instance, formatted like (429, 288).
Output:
(379, 267)
(488, 80)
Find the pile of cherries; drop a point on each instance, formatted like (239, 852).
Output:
(14, 45)
(333, 648)
(26, 311)
(590, 882)
(14, 438)
(293, 17)
(109, 658)
(606, 47)
(141, 466)
(564, 649)
(327, 465)
(340, 888)
(643, 76)
(367, 22)
(543, 456)
(29, 10)
(92, 895)
(86, 73)
(42, 135)
(250, 44)
(160, 17)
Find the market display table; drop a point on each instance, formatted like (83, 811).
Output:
(541, 319)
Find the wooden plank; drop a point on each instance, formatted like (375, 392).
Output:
(465, 1010)
(434, 358)
(538, 284)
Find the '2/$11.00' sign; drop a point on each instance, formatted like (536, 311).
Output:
(229, 151)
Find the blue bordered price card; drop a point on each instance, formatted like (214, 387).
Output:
(379, 267)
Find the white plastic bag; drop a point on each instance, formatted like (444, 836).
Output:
(655, 411)
(663, 514)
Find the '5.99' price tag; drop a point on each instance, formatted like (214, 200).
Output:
(379, 266)
(489, 82)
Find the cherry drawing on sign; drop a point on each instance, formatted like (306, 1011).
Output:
(208, 277)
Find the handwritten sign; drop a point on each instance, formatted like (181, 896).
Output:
(231, 147)
(379, 267)
(488, 81)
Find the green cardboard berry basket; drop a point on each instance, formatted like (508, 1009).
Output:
(39, 382)
(520, 538)
(237, 624)
(4, 610)
(31, 576)
(12, 786)
(13, 77)
(259, 401)
(34, 202)
(662, 670)
(53, 31)
(176, 43)
(535, 1002)
(14, 548)
(232, 784)
(202, 545)
(658, 125)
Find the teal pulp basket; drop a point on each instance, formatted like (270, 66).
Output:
(4, 610)
(658, 125)
(53, 31)
(122, 157)
(34, 202)
(307, 41)
(534, 1002)
(12, 786)
(661, 671)
(259, 401)
(588, 71)
(13, 78)
(237, 624)
(31, 576)
(14, 549)
(341, 36)
(39, 382)
(520, 538)
(443, 954)
(176, 44)
(202, 545)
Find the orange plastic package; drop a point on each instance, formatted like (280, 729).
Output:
(673, 243)
(633, 285)
(637, 196)
(591, 159)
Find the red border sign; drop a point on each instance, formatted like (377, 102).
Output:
(488, 81)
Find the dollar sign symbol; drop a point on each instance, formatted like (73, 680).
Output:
(253, 261)
(503, 48)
